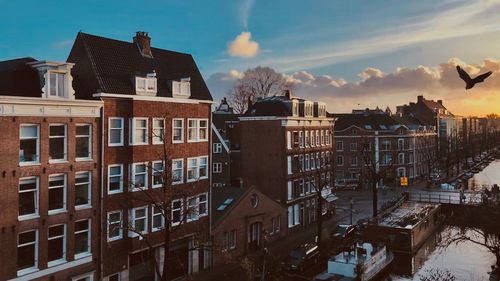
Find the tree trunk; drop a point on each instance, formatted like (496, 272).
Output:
(375, 197)
(166, 254)
(319, 224)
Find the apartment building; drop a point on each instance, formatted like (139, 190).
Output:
(156, 155)
(284, 150)
(395, 147)
(49, 174)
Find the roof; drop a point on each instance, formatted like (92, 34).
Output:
(17, 78)
(109, 66)
(229, 195)
(364, 121)
(408, 214)
(270, 106)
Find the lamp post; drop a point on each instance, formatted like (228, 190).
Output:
(351, 202)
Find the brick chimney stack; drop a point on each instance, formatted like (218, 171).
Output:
(143, 41)
(440, 102)
(420, 99)
(288, 94)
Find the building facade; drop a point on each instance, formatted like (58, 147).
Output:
(50, 174)
(156, 155)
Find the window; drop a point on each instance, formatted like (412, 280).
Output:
(178, 130)
(386, 145)
(232, 240)
(28, 197)
(192, 208)
(145, 85)
(138, 221)
(27, 252)
(139, 131)
(217, 148)
(278, 224)
(401, 144)
(57, 142)
(82, 238)
(82, 189)
(203, 205)
(115, 178)
(197, 168)
(139, 179)
(289, 191)
(290, 216)
(29, 144)
(308, 142)
(354, 160)
(301, 138)
(157, 219)
(115, 229)
(197, 130)
(340, 145)
(177, 171)
(353, 146)
(114, 277)
(56, 83)
(401, 158)
(317, 138)
(56, 244)
(181, 89)
(386, 159)
(340, 160)
(57, 193)
(295, 107)
(83, 142)
(217, 168)
(115, 137)
(308, 109)
(158, 130)
(296, 210)
(176, 212)
(157, 174)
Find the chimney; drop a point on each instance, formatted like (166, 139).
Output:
(420, 99)
(440, 102)
(143, 41)
(288, 94)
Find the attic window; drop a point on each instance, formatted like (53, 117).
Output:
(295, 108)
(182, 88)
(146, 85)
(308, 112)
(57, 84)
(321, 110)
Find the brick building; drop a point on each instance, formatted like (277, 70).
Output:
(394, 146)
(156, 147)
(49, 174)
(244, 220)
(283, 147)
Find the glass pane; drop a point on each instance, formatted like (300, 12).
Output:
(140, 213)
(81, 243)
(81, 225)
(141, 83)
(27, 150)
(56, 180)
(56, 148)
(157, 221)
(82, 194)
(57, 130)
(55, 249)
(116, 170)
(115, 217)
(82, 147)
(83, 130)
(25, 257)
(29, 132)
(52, 84)
(27, 203)
(140, 225)
(60, 85)
(140, 168)
(115, 136)
(56, 198)
(115, 123)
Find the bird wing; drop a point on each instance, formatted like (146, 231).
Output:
(463, 74)
(480, 78)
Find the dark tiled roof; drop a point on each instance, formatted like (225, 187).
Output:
(220, 195)
(374, 121)
(113, 65)
(17, 78)
(269, 106)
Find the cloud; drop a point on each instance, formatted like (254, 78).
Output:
(245, 10)
(63, 44)
(376, 88)
(243, 46)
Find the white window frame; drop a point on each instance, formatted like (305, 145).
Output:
(133, 127)
(147, 82)
(89, 275)
(57, 75)
(133, 219)
(89, 239)
(133, 173)
(65, 137)
(197, 168)
(153, 215)
(182, 88)
(177, 128)
(203, 202)
(37, 156)
(36, 214)
(36, 257)
(234, 235)
(120, 176)
(110, 223)
(89, 189)
(181, 210)
(197, 129)
(63, 236)
(89, 137)
(65, 194)
(339, 146)
(154, 170)
(175, 168)
(158, 139)
(217, 168)
(217, 147)
(192, 209)
(121, 128)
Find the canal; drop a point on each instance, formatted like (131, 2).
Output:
(466, 260)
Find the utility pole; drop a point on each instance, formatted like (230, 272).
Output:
(351, 202)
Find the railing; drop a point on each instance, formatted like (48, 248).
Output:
(450, 198)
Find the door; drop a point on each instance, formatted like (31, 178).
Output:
(254, 236)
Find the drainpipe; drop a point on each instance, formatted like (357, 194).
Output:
(101, 199)
(377, 156)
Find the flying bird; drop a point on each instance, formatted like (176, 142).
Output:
(469, 82)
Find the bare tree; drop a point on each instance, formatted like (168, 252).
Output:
(436, 274)
(256, 83)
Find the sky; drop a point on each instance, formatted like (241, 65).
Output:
(350, 54)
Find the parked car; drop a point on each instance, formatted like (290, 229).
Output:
(343, 231)
(301, 257)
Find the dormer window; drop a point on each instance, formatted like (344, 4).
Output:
(321, 110)
(308, 109)
(295, 108)
(57, 81)
(182, 88)
(146, 85)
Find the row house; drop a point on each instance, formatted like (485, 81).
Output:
(376, 141)
(156, 155)
(284, 144)
(49, 174)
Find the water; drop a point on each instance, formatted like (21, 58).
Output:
(487, 177)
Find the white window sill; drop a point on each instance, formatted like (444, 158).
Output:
(83, 207)
(23, 164)
(111, 192)
(28, 217)
(139, 144)
(157, 142)
(59, 211)
(56, 262)
(177, 182)
(157, 229)
(27, 271)
(115, 144)
(179, 141)
(82, 255)
(83, 159)
(115, 238)
(58, 161)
